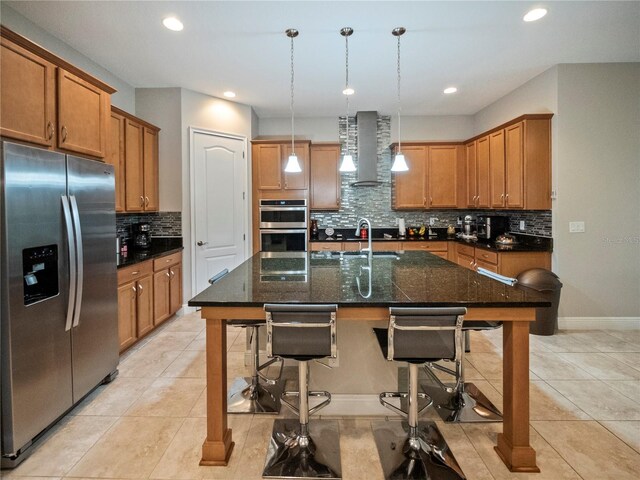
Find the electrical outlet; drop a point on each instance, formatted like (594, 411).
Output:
(432, 221)
(576, 227)
(554, 194)
(522, 227)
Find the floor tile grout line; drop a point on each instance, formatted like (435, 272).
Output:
(477, 452)
(618, 436)
(184, 419)
(602, 353)
(608, 354)
(555, 449)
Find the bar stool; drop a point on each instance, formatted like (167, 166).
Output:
(297, 450)
(464, 402)
(417, 450)
(248, 394)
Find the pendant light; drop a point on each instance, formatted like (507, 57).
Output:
(399, 163)
(347, 164)
(293, 166)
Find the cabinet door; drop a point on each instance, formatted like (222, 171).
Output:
(150, 169)
(409, 186)
(470, 161)
(492, 267)
(161, 296)
(514, 161)
(134, 179)
(325, 177)
(443, 177)
(483, 189)
(127, 296)
(83, 115)
(465, 261)
(175, 288)
(267, 160)
(300, 180)
(145, 304)
(27, 95)
(496, 165)
(115, 156)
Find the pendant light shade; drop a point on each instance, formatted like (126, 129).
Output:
(292, 166)
(347, 164)
(399, 162)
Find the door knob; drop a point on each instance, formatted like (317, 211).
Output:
(200, 243)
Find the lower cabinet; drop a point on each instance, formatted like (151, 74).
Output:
(436, 248)
(148, 293)
(509, 264)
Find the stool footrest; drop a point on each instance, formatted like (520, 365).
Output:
(313, 410)
(399, 411)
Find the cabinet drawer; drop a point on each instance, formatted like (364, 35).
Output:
(441, 255)
(383, 246)
(466, 250)
(465, 261)
(166, 261)
(427, 246)
(489, 257)
(325, 246)
(134, 272)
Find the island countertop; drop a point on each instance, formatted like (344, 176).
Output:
(409, 278)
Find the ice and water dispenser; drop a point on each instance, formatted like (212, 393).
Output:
(40, 273)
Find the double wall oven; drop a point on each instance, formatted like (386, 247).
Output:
(283, 225)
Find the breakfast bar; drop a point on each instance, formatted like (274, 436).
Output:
(364, 286)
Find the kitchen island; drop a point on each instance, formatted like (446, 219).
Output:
(364, 287)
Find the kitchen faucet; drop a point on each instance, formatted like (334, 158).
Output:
(360, 222)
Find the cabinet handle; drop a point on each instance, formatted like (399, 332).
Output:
(50, 130)
(286, 184)
(146, 201)
(140, 289)
(172, 274)
(168, 274)
(134, 273)
(478, 200)
(507, 197)
(424, 201)
(64, 133)
(338, 201)
(430, 201)
(134, 289)
(141, 201)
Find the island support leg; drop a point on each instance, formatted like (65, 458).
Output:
(218, 445)
(513, 444)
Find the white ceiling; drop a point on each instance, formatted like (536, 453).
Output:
(483, 48)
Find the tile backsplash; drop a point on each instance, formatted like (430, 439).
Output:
(163, 224)
(375, 202)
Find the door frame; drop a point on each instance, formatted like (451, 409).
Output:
(192, 193)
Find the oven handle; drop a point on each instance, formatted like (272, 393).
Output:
(283, 230)
(280, 209)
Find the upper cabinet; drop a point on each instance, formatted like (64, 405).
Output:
(325, 180)
(433, 179)
(269, 160)
(47, 101)
(477, 178)
(116, 156)
(138, 185)
(520, 164)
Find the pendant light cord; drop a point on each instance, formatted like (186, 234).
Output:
(291, 104)
(399, 103)
(346, 40)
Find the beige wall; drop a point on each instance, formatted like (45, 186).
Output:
(316, 129)
(124, 98)
(596, 173)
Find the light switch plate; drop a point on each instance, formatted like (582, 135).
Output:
(522, 227)
(576, 227)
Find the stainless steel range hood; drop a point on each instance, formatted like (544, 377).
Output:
(367, 150)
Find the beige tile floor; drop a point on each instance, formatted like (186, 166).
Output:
(150, 422)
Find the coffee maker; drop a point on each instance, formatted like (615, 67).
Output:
(491, 226)
(142, 235)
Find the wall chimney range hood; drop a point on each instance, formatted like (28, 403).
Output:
(367, 150)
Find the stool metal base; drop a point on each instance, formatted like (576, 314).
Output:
(247, 397)
(291, 455)
(427, 456)
(469, 405)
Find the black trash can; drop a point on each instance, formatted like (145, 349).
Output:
(548, 283)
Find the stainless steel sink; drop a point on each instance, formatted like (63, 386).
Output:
(334, 255)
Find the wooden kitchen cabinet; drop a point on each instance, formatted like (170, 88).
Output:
(135, 303)
(49, 102)
(435, 247)
(478, 176)
(116, 157)
(514, 165)
(432, 178)
(509, 264)
(325, 181)
(497, 168)
(269, 159)
(167, 286)
(140, 182)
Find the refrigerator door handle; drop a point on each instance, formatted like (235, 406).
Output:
(80, 265)
(72, 261)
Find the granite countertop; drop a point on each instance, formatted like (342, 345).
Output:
(526, 243)
(160, 246)
(410, 278)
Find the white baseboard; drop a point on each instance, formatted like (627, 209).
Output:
(355, 404)
(186, 309)
(598, 323)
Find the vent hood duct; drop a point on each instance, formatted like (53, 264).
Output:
(367, 150)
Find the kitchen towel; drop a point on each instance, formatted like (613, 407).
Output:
(497, 276)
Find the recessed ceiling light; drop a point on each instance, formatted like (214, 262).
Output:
(348, 91)
(229, 94)
(450, 90)
(172, 23)
(535, 14)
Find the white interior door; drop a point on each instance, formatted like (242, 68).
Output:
(220, 208)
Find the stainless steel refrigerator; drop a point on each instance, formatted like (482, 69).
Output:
(58, 324)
